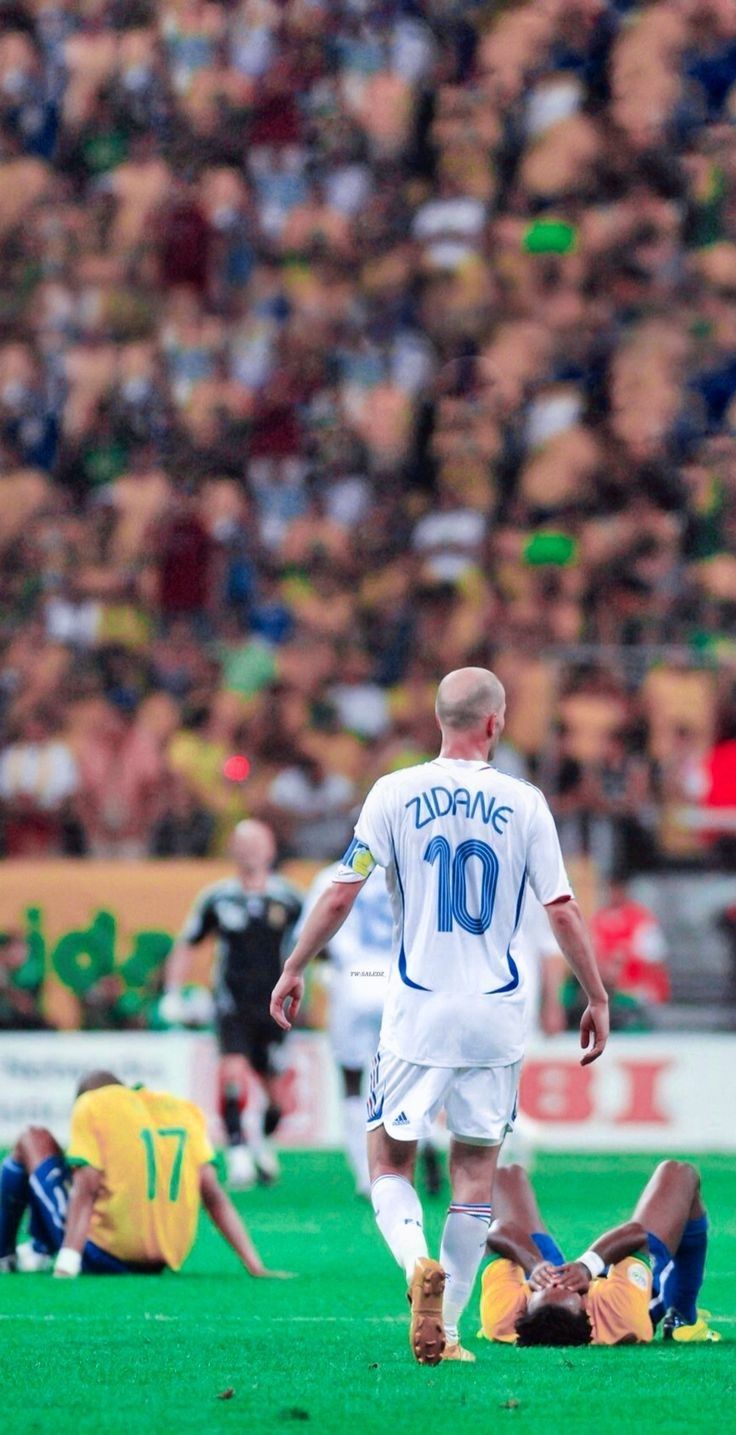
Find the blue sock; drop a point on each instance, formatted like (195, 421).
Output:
(683, 1287)
(37, 1231)
(13, 1202)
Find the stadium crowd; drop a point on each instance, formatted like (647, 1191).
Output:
(343, 343)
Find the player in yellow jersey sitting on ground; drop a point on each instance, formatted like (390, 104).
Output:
(126, 1196)
(649, 1269)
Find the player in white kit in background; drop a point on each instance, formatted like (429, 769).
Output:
(360, 958)
(459, 842)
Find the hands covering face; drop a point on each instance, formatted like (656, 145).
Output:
(572, 1276)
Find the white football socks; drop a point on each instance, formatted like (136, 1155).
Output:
(399, 1219)
(353, 1109)
(461, 1252)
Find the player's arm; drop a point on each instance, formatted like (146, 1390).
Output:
(566, 921)
(550, 883)
(370, 847)
(507, 1239)
(320, 885)
(612, 1246)
(324, 920)
(85, 1186)
(178, 967)
(552, 1013)
(179, 964)
(180, 960)
(224, 1216)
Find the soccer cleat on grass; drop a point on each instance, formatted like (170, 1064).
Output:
(29, 1261)
(426, 1327)
(8, 1264)
(675, 1328)
(241, 1168)
(458, 1352)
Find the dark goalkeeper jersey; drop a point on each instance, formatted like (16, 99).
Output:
(253, 934)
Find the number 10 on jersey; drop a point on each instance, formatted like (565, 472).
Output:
(452, 890)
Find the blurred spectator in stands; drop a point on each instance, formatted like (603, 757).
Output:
(632, 957)
(199, 752)
(606, 807)
(183, 553)
(247, 661)
(269, 616)
(38, 778)
(360, 705)
(680, 787)
(186, 241)
(448, 539)
(390, 332)
(719, 789)
(184, 828)
(631, 949)
(310, 809)
(28, 422)
(21, 977)
(178, 661)
(120, 769)
(27, 103)
(712, 63)
(71, 615)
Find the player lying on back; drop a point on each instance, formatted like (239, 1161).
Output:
(649, 1269)
(126, 1197)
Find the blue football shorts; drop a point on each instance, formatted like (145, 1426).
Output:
(50, 1185)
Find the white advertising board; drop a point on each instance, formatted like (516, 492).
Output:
(648, 1093)
(669, 1093)
(39, 1072)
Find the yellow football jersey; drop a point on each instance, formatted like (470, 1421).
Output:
(617, 1304)
(149, 1147)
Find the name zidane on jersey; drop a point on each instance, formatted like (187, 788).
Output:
(478, 804)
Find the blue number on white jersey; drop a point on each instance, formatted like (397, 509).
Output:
(452, 894)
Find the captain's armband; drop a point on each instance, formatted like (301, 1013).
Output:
(357, 864)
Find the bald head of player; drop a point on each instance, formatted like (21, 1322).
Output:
(471, 709)
(253, 850)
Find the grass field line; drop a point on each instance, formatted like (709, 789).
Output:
(41, 1317)
(46, 1316)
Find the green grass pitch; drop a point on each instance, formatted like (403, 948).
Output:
(329, 1351)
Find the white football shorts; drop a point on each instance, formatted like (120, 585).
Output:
(479, 1101)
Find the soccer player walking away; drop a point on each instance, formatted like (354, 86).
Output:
(459, 842)
(253, 915)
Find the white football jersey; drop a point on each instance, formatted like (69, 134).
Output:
(362, 949)
(459, 842)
